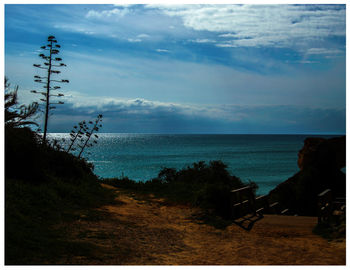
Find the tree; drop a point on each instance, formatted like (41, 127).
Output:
(89, 133)
(83, 134)
(17, 116)
(49, 63)
(77, 134)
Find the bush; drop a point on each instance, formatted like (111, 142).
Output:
(204, 185)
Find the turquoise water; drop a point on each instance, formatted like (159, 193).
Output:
(265, 159)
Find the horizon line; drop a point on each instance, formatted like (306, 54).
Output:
(162, 133)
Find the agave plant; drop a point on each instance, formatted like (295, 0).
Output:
(50, 62)
(83, 135)
(77, 133)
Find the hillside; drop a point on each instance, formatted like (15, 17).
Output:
(44, 187)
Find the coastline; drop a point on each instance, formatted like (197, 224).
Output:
(265, 159)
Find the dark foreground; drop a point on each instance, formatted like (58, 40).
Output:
(57, 212)
(148, 231)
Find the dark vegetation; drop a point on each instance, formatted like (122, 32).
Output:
(205, 185)
(44, 187)
(81, 136)
(17, 115)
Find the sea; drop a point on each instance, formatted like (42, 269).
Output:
(265, 159)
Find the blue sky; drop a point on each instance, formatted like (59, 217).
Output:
(187, 68)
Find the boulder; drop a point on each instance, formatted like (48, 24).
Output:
(321, 153)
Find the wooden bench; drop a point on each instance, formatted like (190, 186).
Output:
(328, 207)
(243, 202)
(324, 206)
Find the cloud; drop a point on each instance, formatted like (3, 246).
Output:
(128, 106)
(296, 27)
(226, 45)
(141, 115)
(139, 38)
(307, 62)
(162, 50)
(228, 35)
(116, 12)
(323, 51)
(262, 25)
(203, 40)
(143, 36)
(168, 80)
(123, 5)
(133, 40)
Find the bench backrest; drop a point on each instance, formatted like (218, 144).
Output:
(324, 205)
(242, 201)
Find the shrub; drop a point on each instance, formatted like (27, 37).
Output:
(204, 185)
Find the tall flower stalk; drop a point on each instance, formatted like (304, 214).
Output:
(89, 134)
(50, 63)
(77, 134)
(84, 136)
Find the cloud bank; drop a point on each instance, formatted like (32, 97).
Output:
(261, 25)
(145, 116)
(231, 26)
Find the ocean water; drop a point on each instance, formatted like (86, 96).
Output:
(265, 159)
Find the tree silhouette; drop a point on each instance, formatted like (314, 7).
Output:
(49, 63)
(89, 133)
(77, 134)
(82, 133)
(17, 116)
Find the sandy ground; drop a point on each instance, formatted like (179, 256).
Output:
(151, 232)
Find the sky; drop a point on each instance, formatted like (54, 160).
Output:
(245, 69)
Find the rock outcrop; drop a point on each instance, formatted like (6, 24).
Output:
(320, 162)
(323, 153)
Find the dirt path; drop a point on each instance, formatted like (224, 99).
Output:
(148, 232)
